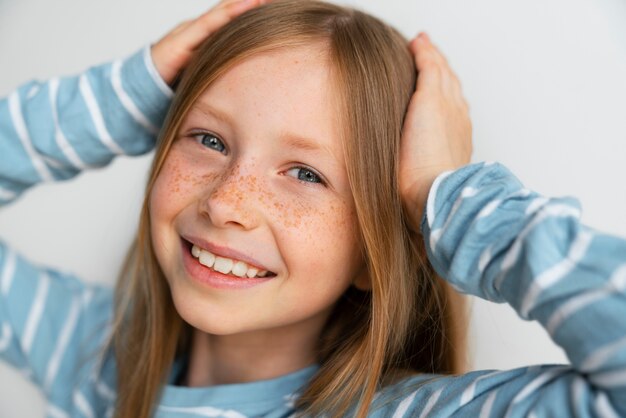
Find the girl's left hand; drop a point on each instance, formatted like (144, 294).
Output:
(173, 51)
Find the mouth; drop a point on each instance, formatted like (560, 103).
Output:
(226, 265)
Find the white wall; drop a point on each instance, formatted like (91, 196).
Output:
(545, 81)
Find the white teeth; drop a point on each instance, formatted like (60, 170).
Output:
(240, 268)
(226, 265)
(207, 258)
(223, 265)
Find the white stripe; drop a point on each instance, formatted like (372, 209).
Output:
(54, 412)
(8, 270)
(534, 385)
(105, 391)
(83, 405)
(127, 102)
(610, 379)
(5, 337)
(468, 393)
(52, 162)
(36, 310)
(435, 235)
(6, 194)
(61, 140)
(485, 411)
(603, 406)
(15, 109)
(578, 391)
(536, 204)
(96, 116)
(403, 406)
(494, 204)
(431, 403)
(154, 74)
(484, 259)
(616, 284)
(64, 338)
(557, 272)
(432, 194)
(33, 90)
(204, 411)
(488, 208)
(511, 256)
(596, 359)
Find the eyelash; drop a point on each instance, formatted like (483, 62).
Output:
(201, 136)
(319, 178)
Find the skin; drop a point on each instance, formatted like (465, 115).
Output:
(250, 198)
(437, 133)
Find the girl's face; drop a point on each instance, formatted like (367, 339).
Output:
(257, 178)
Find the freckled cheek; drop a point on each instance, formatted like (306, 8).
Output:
(181, 179)
(329, 232)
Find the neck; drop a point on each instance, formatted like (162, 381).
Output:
(250, 356)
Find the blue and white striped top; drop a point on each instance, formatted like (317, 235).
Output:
(485, 233)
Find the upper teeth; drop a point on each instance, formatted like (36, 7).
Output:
(225, 265)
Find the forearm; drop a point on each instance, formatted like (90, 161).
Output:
(53, 130)
(492, 238)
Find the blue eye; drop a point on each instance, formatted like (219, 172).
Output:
(211, 141)
(306, 175)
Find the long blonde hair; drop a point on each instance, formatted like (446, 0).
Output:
(406, 321)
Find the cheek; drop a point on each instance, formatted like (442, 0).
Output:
(322, 240)
(180, 181)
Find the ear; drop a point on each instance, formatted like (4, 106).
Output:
(362, 280)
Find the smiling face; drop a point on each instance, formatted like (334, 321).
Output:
(256, 177)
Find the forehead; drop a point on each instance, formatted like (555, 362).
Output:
(286, 90)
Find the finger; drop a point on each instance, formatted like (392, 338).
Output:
(435, 68)
(214, 19)
(427, 63)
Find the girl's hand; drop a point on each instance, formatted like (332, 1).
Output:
(437, 132)
(172, 52)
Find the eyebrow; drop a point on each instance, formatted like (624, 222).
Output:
(290, 140)
(298, 142)
(205, 108)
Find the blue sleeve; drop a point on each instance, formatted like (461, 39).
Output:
(490, 237)
(52, 130)
(51, 323)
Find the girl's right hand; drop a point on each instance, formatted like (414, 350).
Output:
(437, 132)
(173, 51)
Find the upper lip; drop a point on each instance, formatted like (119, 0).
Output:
(222, 251)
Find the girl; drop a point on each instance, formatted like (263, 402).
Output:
(274, 273)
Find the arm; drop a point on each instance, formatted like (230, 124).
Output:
(490, 237)
(52, 130)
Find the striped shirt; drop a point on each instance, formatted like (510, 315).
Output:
(485, 233)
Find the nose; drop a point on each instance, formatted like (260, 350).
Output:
(232, 199)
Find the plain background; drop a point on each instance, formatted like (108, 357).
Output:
(544, 79)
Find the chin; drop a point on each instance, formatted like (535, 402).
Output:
(208, 317)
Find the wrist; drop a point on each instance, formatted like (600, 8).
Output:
(415, 200)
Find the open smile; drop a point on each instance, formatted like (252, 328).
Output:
(220, 271)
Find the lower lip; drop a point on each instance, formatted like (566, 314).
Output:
(212, 278)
